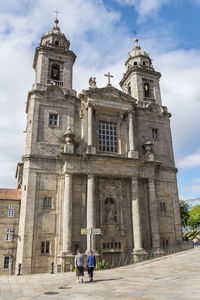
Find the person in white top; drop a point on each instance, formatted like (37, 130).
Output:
(79, 265)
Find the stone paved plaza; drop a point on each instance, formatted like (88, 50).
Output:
(173, 277)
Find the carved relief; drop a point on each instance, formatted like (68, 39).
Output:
(110, 211)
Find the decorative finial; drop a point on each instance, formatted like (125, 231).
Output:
(57, 13)
(109, 76)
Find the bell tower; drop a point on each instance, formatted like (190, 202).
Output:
(53, 61)
(140, 80)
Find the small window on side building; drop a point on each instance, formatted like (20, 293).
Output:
(6, 262)
(11, 211)
(9, 234)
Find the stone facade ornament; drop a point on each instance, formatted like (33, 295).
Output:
(69, 139)
(92, 83)
(148, 147)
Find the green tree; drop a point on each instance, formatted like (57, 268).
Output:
(194, 217)
(184, 213)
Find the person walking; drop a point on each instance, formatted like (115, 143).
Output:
(79, 265)
(91, 264)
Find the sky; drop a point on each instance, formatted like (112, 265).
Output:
(101, 35)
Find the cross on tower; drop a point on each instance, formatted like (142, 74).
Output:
(57, 13)
(109, 76)
(135, 33)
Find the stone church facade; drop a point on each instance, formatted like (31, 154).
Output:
(102, 159)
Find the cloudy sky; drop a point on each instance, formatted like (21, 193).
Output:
(101, 35)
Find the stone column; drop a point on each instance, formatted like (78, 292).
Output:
(90, 125)
(136, 218)
(153, 210)
(132, 153)
(91, 211)
(67, 215)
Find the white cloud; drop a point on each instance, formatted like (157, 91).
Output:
(190, 161)
(144, 7)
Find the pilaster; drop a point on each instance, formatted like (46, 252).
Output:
(67, 215)
(153, 210)
(91, 222)
(132, 153)
(136, 218)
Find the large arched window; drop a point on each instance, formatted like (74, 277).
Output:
(55, 72)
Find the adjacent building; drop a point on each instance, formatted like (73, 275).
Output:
(9, 221)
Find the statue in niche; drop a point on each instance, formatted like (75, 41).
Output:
(110, 211)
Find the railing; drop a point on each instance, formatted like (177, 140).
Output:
(140, 256)
(123, 260)
(54, 82)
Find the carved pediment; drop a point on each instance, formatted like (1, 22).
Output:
(108, 93)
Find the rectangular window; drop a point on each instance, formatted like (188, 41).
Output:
(47, 202)
(107, 136)
(11, 209)
(162, 206)
(165, 243)
(155, 133)
(6, 262)
(9, 234)
(53, 120)
(45, 247)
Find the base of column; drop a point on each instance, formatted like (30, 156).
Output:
(91, 150)
(69, 148)
(133, 154)
(67, 259)
(139, 255)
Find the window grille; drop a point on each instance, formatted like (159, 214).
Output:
(53, 120)
(47, 202)
(9, 234)
(11, 210)
(45, 247)
(108, 136)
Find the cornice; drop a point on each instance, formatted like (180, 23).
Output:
(140, 70)
(58, 51)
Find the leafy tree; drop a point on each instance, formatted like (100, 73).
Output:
(184, 213)
(194, 217)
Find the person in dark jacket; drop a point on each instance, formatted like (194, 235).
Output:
(91, 264)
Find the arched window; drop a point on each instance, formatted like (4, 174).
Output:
(55, 72)
(146, 89)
